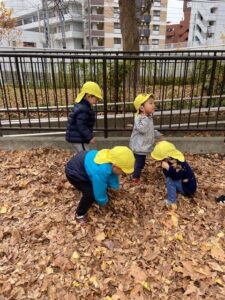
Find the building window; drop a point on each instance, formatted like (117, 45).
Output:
(213, 10)
(97, 10)
(210, 35)
(19, 22)
(116, 11)
(157, 3)
(67, 27)
(29, 44)
(156, 13)
(100, 41)
(53, 30)
(14, 43)
(211, 23)
(28, 20)
(116, 25)
(117, 41)
(155, 27)
(155, 42)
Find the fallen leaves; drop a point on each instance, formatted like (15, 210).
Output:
(134, 248)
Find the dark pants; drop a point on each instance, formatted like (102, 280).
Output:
(139, 165)
(87, 198)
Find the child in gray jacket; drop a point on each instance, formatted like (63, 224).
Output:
(143, 136)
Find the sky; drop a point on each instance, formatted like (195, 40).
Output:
(174, 11)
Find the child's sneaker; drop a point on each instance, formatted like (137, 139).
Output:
(81, 219)
(135, 181)
(220, 199)
(171, 205)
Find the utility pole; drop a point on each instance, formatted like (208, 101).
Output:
(89, 24)
(46, 23)
(62, 21)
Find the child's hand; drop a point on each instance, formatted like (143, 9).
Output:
(165, 165)
(93, 140)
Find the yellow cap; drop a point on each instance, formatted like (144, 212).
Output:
(140, 99)
(91, 88)
(165, 149)
(120, 156)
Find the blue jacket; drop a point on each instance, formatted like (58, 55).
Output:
(184, 173)
(82, 167)
(80, 123)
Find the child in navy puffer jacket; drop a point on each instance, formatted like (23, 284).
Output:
(81, 120)
(179, 175)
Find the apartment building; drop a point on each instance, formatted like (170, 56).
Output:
(45, 27)
(177, 34)
(102, 24)
(89, 24)
(158, 24)
(207, 23)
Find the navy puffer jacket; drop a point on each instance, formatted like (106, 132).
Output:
(80, 123)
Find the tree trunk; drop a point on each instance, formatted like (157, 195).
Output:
(129, 25)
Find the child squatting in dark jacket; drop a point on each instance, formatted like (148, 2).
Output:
(82, 118)
(178, 173)
(93, 172)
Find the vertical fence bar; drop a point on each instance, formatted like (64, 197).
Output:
(105, 97)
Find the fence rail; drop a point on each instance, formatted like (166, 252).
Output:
(37, 89)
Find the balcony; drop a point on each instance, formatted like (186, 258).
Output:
(97, 33)
(69, 35)
(211, 29)
(145, 32)
(97, 17)
(94, 2)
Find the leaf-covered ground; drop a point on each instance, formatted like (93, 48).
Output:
(134, 248)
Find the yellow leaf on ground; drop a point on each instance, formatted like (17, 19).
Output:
(75, 256)
(134, 221)
(94, 281)
(49, 270)
(75, 283)
(103, 266)
(174, 219)
(3, 210)
(179, 236)
(100, 236)
(146, 285)
(218, 253)
(220, 234)
(219, 281)
(108, 298)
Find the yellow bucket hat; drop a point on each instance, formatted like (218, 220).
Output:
(120, 156)
(91, 88)
(165, 149)
(140, 99)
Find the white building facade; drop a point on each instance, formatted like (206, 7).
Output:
(36, 32)
(207, 23)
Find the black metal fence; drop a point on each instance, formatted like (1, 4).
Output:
(37, 89)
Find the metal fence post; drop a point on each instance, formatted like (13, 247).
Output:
(105, 98)
(19, 81)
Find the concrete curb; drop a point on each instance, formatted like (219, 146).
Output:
(185, 144)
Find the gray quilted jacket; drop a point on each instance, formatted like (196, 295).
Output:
(143, 135)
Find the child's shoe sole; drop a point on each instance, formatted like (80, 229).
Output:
(83, 220)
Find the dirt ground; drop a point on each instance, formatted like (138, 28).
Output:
(134, 248)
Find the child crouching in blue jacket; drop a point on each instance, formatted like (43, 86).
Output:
(178, 173)
(93, 172)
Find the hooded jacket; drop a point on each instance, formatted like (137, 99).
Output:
(143, 135)
(80, 123)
